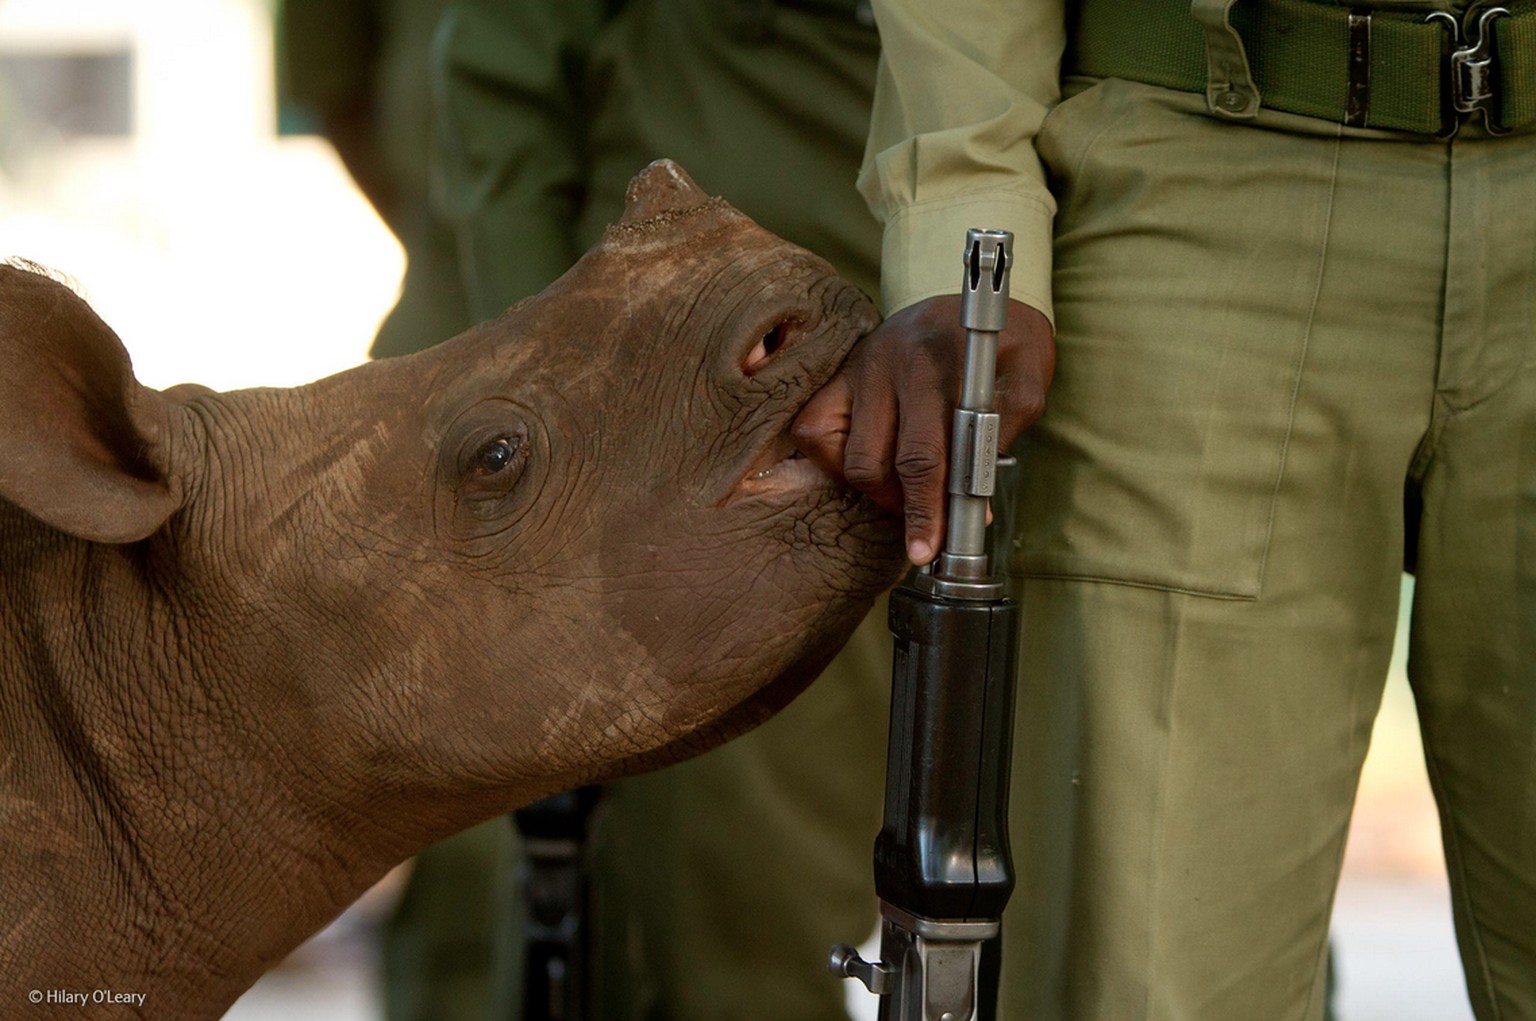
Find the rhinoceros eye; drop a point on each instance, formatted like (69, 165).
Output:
(487, 473)
(497, 456)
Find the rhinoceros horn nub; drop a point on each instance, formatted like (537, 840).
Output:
(661, 188)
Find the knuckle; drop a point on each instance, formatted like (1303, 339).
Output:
(929, 375)
(865, 469)
(1022, 402)
(1030, 408)
(920, 463)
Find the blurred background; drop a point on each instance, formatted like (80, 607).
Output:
(140, 155)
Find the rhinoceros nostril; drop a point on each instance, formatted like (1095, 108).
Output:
(773, 339)
(771, 343)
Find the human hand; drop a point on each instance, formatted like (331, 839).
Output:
(883, 422)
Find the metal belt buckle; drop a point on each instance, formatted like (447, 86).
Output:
(1471, 68)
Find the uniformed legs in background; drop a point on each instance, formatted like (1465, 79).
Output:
(719, 883)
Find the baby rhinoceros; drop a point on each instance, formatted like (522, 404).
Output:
(257, 647)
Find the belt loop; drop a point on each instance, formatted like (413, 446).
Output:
(1229, 88)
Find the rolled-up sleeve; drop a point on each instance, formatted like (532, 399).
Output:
(963, 88)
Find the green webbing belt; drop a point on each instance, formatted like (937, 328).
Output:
(1517, 35)
(1299, 53)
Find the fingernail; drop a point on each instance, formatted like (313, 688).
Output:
(919, 552)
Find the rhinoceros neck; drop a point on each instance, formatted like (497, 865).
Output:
(152, 839)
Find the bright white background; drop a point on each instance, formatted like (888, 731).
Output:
(221, 254)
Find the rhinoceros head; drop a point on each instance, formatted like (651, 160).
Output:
(572, 542)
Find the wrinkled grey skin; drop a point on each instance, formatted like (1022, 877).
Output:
(257, 647)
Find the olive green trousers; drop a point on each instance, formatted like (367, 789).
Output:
(1292, 357)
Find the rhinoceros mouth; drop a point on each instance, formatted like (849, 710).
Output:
(781, 469)
(819, 344)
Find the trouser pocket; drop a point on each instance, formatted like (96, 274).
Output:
(1188, 255)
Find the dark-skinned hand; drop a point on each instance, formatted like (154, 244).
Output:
(882, 423)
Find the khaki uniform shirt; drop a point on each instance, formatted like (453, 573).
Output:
(962, 91)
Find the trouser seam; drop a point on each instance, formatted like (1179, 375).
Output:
(1301, 358)
(1448, 374)
(1081, 156)
(1424, 454)
(1320, 988)
(1150, 586)
(1454, 863)
(1155, 891)
(1324, 961)
(1440, 408)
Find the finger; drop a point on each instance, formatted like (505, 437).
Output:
(922, 447)
(870, 458)
(820, 430)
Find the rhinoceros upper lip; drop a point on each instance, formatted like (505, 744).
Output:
(780, 467)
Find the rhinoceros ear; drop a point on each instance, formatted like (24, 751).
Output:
(82, 443)
(662, 187)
